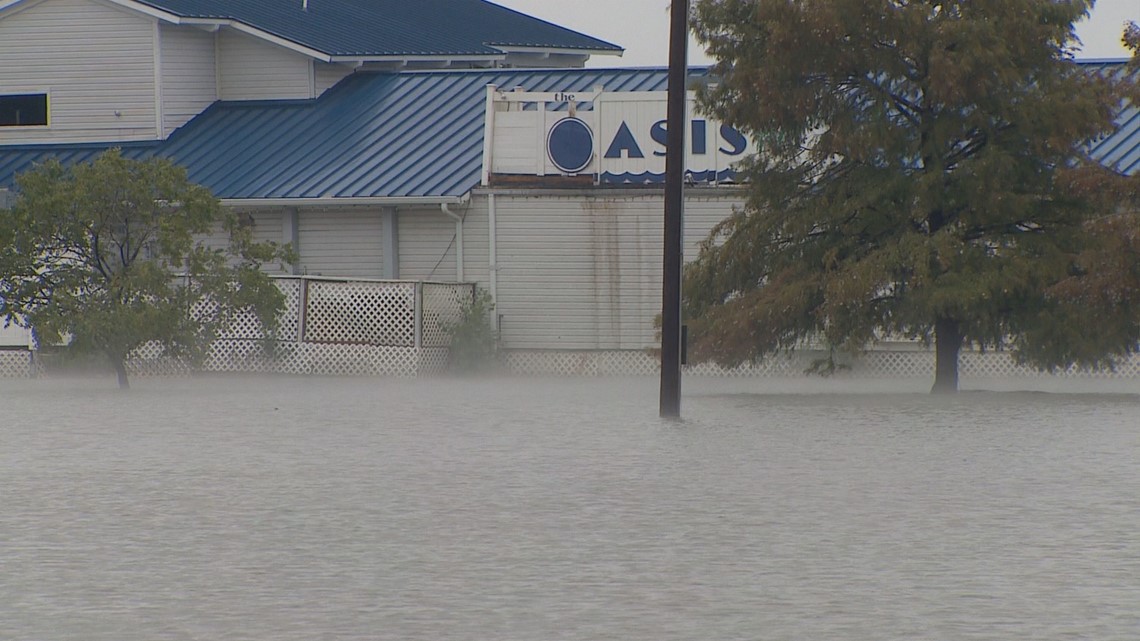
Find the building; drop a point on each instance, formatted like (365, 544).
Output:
(464, 145)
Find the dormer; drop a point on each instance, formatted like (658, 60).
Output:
(74, 71)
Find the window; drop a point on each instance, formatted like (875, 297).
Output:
(24, 110)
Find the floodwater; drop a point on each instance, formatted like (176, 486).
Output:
(533, 510)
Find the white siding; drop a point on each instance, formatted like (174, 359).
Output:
(252, 69)
(96, 62)
(427, 245)
(328, 74)
(585, 272)
(345, 243)
(267, 226)
(14, 336)
(476, 244)
(188, 74)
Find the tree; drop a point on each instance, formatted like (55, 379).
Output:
(110, 256)
(921, 171)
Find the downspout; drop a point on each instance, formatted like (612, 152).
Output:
(494, 262)
(458, 239)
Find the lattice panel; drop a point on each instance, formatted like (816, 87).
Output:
(875, 364)
(16, 363)
(288, 323)
(643, 363)
(552, 363)
(442, 308)
(150, 360)
(361, 313)
(890, 364)
(432, 361)
(1002, 365)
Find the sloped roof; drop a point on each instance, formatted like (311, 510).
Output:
(1119, 150)
(389, 135)
(376, 28)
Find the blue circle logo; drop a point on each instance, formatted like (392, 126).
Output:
(570, 145)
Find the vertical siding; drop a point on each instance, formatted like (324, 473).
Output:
(328, 74)
(252, 69)
(188, 74)
(95, 60)
(345, 243)
(585, 272)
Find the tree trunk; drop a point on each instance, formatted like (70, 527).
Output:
(947, 342)
(121, 372)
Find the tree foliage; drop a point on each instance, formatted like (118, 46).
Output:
(922, 170)
(110, 255)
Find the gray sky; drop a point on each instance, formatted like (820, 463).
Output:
(642, 27)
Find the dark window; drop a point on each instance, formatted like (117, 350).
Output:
(24, 110)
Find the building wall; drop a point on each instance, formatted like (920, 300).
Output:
(328, 74)
(346, 242)
(252, 69)
(584, 271)
(268, 225)
(428, 245)
(189, 75)
(96, 61)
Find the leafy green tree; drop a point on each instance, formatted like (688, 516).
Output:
(109, 255)
(921, 171)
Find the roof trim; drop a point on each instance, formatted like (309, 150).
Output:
(258, 33)
(474, 57)
(360, 201)
(243, 27)
(552, 51)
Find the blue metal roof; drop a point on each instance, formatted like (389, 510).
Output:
(1119, 150)
(412, 134)
(394, 135)
(390, 27)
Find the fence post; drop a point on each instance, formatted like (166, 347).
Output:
(419, 313)
(302, 307)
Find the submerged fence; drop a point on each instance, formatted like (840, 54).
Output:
(334, 326)
(360, 327)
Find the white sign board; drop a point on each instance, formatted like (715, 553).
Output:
(617, 137)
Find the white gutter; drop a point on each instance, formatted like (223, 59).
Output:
(458, 240)
(365, 201)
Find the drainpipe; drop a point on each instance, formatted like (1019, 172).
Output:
(458, 239)
(494, 262)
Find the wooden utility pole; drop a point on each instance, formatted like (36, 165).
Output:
(674, 210)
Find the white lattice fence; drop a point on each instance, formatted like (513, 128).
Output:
(443, 305)
(368, 313)
(334, 328)
(884, 363)
(16, 363)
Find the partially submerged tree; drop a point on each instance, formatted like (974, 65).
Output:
(109, 256)
(921, 171)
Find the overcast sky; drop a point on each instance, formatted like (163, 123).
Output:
(642, 27)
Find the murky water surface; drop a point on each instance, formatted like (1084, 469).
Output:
(292, 509)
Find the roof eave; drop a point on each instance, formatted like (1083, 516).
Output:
(174, 18)
(574, 51)
(401, 60)
(332, 201)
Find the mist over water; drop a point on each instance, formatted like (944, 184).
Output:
(521, 509)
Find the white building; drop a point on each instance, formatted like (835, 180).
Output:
(473, 149)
